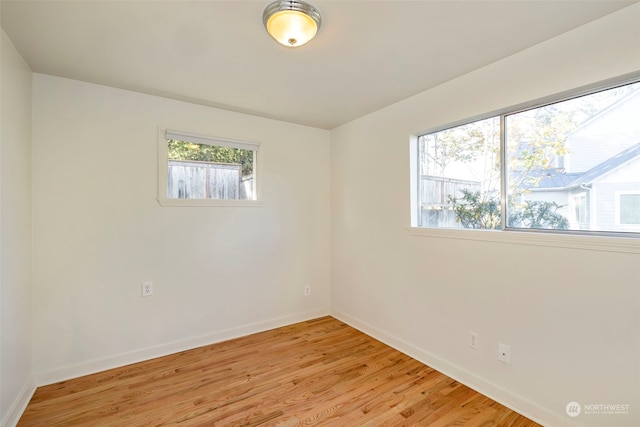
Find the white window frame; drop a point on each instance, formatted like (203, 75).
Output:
(580, 201)
(630, 227)
(163, 167)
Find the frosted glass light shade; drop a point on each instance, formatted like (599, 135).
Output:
(291, 23)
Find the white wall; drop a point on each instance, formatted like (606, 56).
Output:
(571, 316)
(16, 383)
(99, 232)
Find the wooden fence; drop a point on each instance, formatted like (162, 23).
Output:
(207, 180)
(435, 207)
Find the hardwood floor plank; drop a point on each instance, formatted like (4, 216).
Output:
(316, 373)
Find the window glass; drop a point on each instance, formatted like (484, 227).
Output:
(209, 169)
(569, 165)
(630, 209)
(582, 152)
(459, 176)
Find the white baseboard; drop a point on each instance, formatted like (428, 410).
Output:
(501, 395)
(91, 367)
(12, 417)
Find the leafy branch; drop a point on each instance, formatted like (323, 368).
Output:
(184, 150)
(474, 211)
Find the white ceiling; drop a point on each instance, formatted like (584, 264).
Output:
(367, 55)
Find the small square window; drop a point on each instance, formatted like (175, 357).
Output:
(203, 170)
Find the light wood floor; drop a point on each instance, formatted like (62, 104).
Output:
(316, 373)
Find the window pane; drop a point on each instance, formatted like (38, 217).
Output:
(459, 176)
(204, 171)
(630, 209)
(566, 162)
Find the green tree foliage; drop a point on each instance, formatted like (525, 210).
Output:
(462, 144)
(474, 211)
(459, 144)
(536, 138)
(538, 214)
(185, 150)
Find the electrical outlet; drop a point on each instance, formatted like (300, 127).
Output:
(307, 290)
(474, 340)
(147, 289)
(504, 353)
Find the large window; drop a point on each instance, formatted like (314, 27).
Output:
(199, 168)
(570, 165)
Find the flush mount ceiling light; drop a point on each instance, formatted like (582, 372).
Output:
(291, 23)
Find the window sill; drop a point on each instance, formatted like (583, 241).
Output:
(163, 201)
(572, 241)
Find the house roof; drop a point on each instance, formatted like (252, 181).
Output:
(610, 164)
(553, 179)
(556, 179)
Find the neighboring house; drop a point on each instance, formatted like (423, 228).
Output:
(598, 181)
